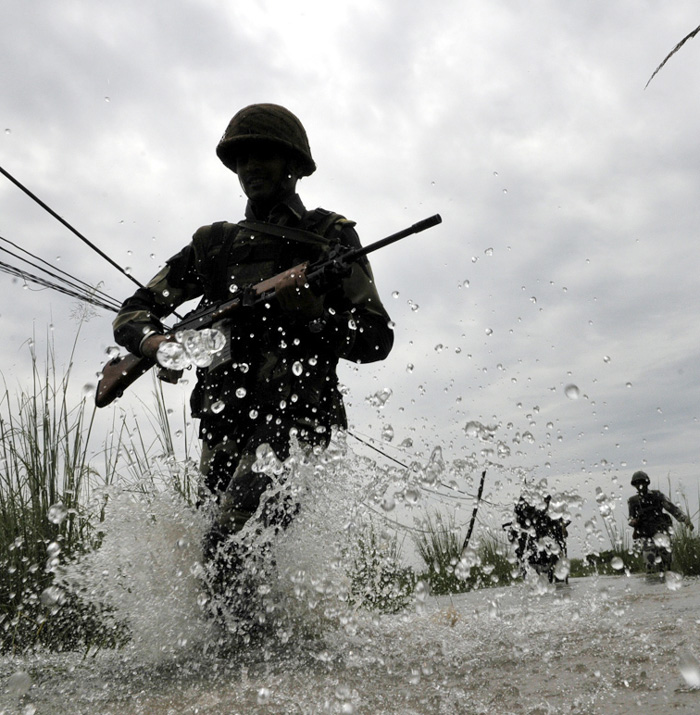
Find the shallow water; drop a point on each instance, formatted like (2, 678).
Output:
(600, 645)
(608, 645)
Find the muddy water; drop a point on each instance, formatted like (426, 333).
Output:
(611, 645)
(604, 645)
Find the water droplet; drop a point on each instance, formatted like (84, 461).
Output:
(253, 414)
(628, 384)
(663, 540)
(218, 406)
(387, 433)
(572, 392)
(172, 356)
(409, 367)
(388, 502)
(488, 252)
(439, 348)
(395, 294)
(52, 596)
(379, 398)
(606, 358)
(562, 568)
(19, 683)
(489, 331)
(263, 696)
(673, 580)
(690, 670)
(617, 563)
(297, 368)
(57, 513)
(241, 392)
(411, 495)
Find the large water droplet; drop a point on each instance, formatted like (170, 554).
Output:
(690, 670)
(379, 398)
(572, 392)
(19, 684)
(673, 580)
(57, 513)
(172, 356)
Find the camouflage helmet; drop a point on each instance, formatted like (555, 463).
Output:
(640, 478)
(269, 123)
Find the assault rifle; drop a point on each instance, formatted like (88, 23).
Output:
(122, 371)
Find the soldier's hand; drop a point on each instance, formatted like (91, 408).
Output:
(149, 347)
(295, 296)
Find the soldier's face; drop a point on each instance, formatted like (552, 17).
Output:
(264, 174)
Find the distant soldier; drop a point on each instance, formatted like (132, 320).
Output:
(540, 539)
(646, 510)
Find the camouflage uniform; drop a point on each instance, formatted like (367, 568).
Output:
(276, 374)
(647, 511)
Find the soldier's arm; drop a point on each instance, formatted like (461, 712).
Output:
(357, 322)
(141, 314)
(675, 511)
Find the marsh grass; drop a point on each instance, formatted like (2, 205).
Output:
(378, 578)
(448, 570)
(52, 501)
(45, 489)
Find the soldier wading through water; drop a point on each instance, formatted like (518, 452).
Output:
(652, 527)
(276, 375)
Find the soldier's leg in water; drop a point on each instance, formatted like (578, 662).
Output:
(238, 489)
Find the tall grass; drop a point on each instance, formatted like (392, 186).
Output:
(448, 569)
(378, 578)
(45, 488)
(52, 500)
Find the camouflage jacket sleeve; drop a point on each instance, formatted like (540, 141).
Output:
(673, 510)
(355, 326)
(355, 321)
(141, 314)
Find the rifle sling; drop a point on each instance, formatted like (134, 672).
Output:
(295, 234)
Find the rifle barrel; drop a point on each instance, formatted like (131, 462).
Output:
(415, 228)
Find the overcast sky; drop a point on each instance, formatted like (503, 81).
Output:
(569, 195)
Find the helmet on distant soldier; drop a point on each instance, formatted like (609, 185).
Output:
(640, 478)
(269, 123)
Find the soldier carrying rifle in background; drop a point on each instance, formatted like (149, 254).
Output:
(652, 527)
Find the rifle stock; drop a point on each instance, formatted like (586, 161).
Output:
(122, 371)
(118, 374)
